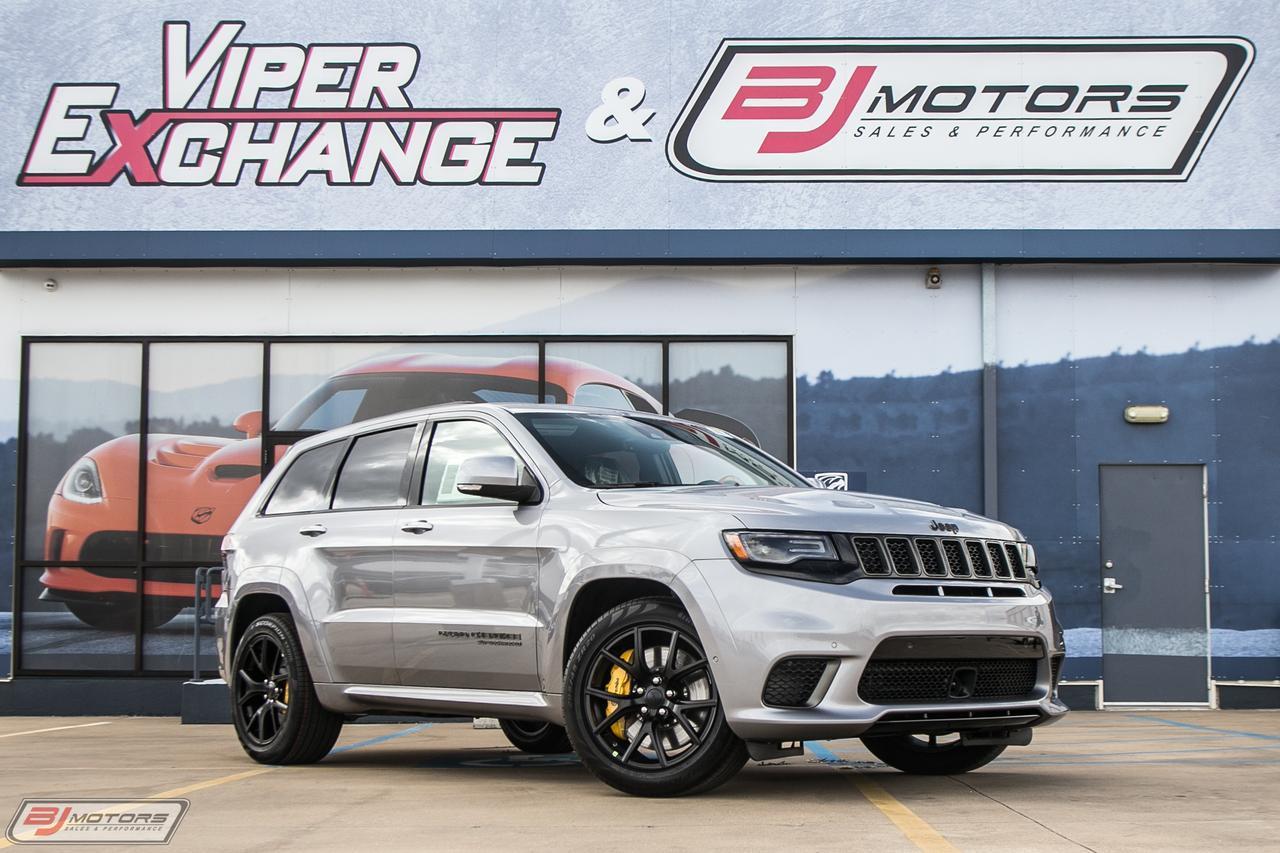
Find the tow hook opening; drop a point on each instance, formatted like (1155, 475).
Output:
(760, 750)
(997, 737)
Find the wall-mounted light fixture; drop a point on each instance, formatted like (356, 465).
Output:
(933, 279)
(1146, 414)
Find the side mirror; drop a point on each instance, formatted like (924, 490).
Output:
(733, 426)
(250, 423)
(503, 478)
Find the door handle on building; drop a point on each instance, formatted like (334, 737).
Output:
(1109, 585)
(314, 530)
(419, 526)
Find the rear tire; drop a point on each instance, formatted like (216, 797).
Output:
(641, 707)
(915, 754)
(535, 737)
(274, 706)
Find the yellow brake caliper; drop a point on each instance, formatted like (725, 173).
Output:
(619, 685)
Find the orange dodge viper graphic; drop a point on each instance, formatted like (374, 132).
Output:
(197, 485)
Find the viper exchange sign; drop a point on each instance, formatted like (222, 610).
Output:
(957, 109)
(284, 111)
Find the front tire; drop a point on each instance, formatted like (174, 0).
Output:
(536, 738)
(274, 706)
(641, 706)
(930, 756)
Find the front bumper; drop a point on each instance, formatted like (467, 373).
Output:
(750, 622)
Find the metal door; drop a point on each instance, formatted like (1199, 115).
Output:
(1154, 579)
(466, 574)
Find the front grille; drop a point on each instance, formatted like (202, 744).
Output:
(1015, 560)
(791, 682)
(904, 562)
(978, 558)
(939, 557)
(932, 680)
(870, 555)
(118, 546)
(956, 563)
(185, 548)
(1055, 665)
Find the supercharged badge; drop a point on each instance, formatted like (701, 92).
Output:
(960, 110)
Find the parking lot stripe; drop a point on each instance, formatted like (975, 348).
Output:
(57, 729)
(1182, 725)
(916, 829)
(381, 738)
(209, 783)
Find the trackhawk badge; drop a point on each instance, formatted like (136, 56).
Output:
(201, 514)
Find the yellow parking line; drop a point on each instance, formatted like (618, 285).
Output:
(57, 729)
(209, 783)
(910, 824)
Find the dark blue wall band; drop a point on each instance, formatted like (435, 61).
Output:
(297, 248)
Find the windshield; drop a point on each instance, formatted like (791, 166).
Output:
(620, 452)
(344, 400)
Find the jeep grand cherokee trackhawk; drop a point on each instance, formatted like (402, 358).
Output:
(658, 596)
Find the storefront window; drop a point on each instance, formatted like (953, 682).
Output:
(82, 449)
(322, 386)
(633, 371)
(738, 386)
(204, 460)
(95, 595)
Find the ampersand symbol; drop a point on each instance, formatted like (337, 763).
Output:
(620, 114)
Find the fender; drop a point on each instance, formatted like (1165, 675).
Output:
(653, 564)
(282, 582)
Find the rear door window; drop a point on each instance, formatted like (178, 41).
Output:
(375, 470)
(305, 486)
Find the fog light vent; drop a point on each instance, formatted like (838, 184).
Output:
(792, 682)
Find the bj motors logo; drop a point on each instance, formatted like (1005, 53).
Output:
(96, 821)
(970, 110)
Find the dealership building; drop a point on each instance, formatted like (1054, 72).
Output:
(1017, 260)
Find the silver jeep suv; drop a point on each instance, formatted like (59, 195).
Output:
(658, 596)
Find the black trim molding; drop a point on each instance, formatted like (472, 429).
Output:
(618, 246)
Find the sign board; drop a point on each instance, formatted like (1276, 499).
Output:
(698, 131)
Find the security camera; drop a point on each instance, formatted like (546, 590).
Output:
(933, 278)
(51, 284)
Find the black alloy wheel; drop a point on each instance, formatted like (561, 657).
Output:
(642, 709)
(262, 689)
(277, 715)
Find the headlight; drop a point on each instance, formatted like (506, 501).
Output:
(807, 556)
(82, 483)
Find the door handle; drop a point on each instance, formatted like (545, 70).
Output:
(314, 530)
(419, 526)
(1109, 585)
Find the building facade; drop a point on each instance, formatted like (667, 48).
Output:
(823, 234)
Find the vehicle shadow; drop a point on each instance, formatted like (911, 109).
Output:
(802, 778)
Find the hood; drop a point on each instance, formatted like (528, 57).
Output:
(785, 508)
(219, 459)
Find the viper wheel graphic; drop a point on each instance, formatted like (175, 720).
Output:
(930, 755)
(641, 704)
(274, 707)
